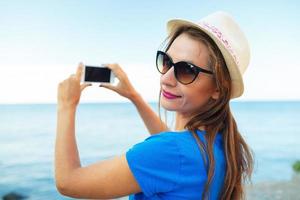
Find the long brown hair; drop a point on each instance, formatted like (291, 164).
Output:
(216, 117)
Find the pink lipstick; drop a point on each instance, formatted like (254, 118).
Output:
(169, 95)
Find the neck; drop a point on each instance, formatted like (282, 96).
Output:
(182, 120)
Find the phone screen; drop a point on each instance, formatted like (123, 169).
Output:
(97, 74)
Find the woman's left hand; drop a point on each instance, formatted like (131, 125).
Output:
(69, 91)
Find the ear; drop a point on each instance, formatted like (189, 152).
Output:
(216, 94)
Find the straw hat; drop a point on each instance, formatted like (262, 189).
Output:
(230, 39)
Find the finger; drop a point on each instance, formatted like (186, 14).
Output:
(59, 85)
(84, 85)
(115, 68)
(108, 86)
(79, 71)
(72, 76)
(110, 66)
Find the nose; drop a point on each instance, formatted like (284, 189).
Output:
(168, 78)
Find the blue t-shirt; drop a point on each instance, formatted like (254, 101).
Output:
(169, 165)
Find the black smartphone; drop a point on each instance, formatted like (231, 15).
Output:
(97, 74)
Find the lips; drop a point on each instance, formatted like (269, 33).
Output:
(169, 95)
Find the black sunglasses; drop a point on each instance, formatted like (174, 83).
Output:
(185, 72)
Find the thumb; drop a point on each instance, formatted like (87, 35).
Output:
(108, 86)
(83, 86)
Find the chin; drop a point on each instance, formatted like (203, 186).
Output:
(170, 106)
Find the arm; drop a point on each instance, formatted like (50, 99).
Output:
(110, 178)
(125, 89)
(150, 118)
(66, 153)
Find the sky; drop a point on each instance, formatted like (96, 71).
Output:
(42, 42)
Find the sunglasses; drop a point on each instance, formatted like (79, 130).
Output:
(185, 72)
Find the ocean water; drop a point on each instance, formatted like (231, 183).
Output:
(27, 134)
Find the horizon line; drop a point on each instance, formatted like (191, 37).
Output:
(152, 101)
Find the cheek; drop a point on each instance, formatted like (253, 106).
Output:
(196, 97)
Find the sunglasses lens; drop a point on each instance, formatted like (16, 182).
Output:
(163, 63)
(185, 72)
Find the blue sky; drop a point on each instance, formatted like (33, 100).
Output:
(41, 43)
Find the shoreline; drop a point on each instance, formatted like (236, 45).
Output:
(266, 190)
(271, 190)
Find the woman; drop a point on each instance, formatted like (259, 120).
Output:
(205, 157)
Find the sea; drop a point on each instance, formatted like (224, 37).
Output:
(103, 130)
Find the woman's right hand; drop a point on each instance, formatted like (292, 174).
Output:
(124, 87)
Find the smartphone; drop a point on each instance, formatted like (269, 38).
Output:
(97, 74)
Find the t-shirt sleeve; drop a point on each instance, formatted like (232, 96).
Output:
(155, 163)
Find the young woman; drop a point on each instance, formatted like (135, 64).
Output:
(204, 156)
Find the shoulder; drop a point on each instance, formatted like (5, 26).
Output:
(161, 143)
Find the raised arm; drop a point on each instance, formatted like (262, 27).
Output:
(150, 118)
(110, 178)
(125, 89)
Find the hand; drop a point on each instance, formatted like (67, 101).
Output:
(69, 91)
(124, 87)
